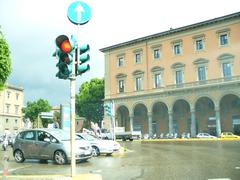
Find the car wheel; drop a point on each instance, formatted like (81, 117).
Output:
(60, 157)
(18, 156)
(95, 151)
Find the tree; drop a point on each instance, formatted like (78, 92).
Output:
(5, 61)
(89, 101)
(34, 108)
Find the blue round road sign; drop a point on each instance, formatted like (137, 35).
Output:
(79, 12)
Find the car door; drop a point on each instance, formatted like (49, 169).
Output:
(28, 144)
(46, 145)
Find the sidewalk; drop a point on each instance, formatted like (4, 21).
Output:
(54, 177)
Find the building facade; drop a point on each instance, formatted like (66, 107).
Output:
(11, 104)
(185, 80)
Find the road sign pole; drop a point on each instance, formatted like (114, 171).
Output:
(113, 119)
(79, 13)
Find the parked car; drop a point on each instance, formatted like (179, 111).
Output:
(100, 146)
(228, 135)
(49, 144)
(106, 134)
(205, 135)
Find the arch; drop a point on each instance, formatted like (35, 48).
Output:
(157, 101)
(160, 118)
(122, 118)
(135, 104)
(177, 99)
(122, 104)
(230, 113)
(205, 115)
(204, 95)
(181, 116)
(228, 93)
(140, 118)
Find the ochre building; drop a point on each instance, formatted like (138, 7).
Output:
(184, 80)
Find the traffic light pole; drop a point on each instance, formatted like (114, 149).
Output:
(72, 107)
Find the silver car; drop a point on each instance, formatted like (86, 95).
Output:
(49, 144)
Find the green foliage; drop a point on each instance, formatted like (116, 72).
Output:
(34, 108)
(5, 61)
(89, 100)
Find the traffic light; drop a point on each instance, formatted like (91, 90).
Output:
(64, 52)
(108, 109)
(84, 57)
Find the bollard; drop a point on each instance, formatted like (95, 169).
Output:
(5, 165)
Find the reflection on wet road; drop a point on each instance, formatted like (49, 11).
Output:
(154, 161)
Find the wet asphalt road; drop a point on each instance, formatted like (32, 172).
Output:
(201, 160)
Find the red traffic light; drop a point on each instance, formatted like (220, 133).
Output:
(63, 43)
(66, 46)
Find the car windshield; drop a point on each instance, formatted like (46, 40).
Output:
(89, 137)
(63, 135)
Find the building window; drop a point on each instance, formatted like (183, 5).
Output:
(157, 80)
(138, 83)
(137, 58)
(179, 77)
(16, 121)
(6, 121)
(223, 39)
(199, 44)
(226, 70)
(156, 53)
(177, 50)
(201, 73)
(16, 109)
(8, 94)
(121, 86)
(120, 62)
(17, 96)
(7, 108)
(224, 36)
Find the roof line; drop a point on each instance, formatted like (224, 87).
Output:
(172, 31)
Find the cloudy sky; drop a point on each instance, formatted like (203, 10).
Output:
(31, 26)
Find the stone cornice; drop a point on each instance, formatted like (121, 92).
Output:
(173, 31)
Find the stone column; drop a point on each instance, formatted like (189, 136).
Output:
(218, 122)
(170, 122)
(131, 122)
(150, 124)
(193, 123)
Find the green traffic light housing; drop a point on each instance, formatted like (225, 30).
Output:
(108, 109)
(64, 52)
(81, 67)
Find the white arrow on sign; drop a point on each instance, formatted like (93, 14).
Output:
(79, 9)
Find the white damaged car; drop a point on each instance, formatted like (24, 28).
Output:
(100, 146)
